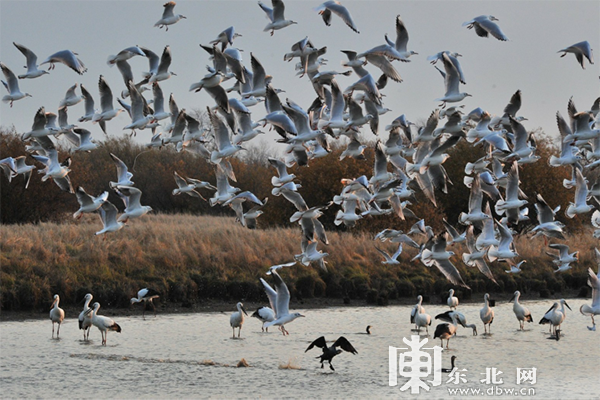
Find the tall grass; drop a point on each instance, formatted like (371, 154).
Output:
(193, 258)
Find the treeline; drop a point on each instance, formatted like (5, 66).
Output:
(153, 174)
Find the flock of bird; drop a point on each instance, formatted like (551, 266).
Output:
(414, 153)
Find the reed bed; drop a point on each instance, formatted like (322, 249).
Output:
(191, 259)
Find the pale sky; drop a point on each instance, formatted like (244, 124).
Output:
(494, 70)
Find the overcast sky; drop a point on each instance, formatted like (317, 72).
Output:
(494, 70)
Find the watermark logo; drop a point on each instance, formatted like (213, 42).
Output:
(415, 364)
(526, 375)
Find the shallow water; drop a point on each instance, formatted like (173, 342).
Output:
(194, 356)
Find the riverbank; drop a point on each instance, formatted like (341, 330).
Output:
(217, 306)
(200, 263)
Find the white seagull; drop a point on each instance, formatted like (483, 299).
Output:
(138, 119)
(594, 282)
(580, 205)
(70, 98)
(87, 203)
(275, 15)
(451, 80)
(338, 9)
(68, 58)
(88, 103)
(161, 71)
(131, 197)
(107, 111)
(484, 25)
(279, 298)
(168, 17)
(12, 85)
(125, 54)
(390, 259)
(32, 67)
(581, 49)
(123, 175)
(108, 216)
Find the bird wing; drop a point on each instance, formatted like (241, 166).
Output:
(134, 195)
(122, 173)
(450, 272)
(88, 100)
(283, 295)
(168, 11)
(11, 79)
(267, 10)
(153, 60)
(401, 35)
(30, 55)
(278, 9)
(165, 60)
(452, 77)
(340, 11)
(106, 99)
(492, 28)
(272, 295)
(381, 62)
(345, 345)
(514, 104)
(320, 342)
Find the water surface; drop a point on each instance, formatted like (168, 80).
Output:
(194, 356)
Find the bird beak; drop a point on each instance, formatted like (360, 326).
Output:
(568, 306)
(244, 310)
(302, 315)
(511, 299)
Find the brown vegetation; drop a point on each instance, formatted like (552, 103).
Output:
(191, 259)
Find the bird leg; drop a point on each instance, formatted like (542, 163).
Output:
(53, 329)
(233, 337)
(331, 366)
(154, 308)
(144, 311)
(239, 331)
(58, 331)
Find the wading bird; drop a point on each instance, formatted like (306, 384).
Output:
(236, 320)
(57, 315)
(146, 295)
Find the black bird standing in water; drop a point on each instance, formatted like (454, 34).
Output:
(330, 352)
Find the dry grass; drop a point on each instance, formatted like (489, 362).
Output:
(292, 363)
(243, 363)
(189, 258)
